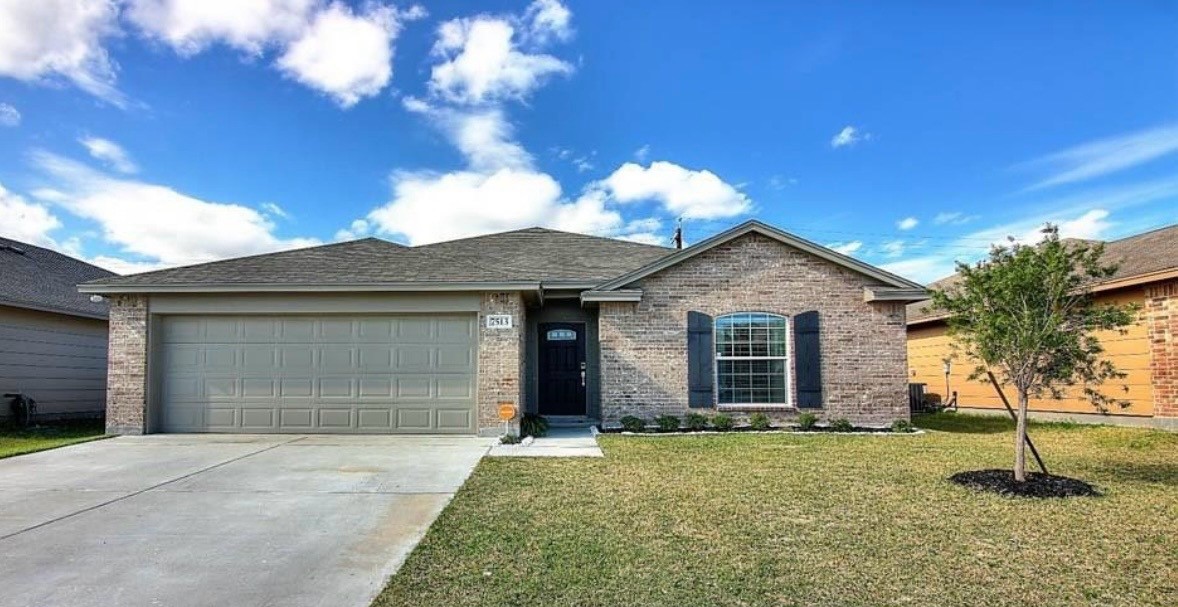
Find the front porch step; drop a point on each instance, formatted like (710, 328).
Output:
(570, 421)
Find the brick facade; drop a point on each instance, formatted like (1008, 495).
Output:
(1161, 314)
(644, 344)
(126, 388)
(501, 359)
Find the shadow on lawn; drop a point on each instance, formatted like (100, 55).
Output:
(963, 424)
(1142, 472)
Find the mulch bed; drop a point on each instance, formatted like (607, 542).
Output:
(1037, 484)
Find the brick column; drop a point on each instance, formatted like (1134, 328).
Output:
(126, 376)
(501, 360)
(1161, 315)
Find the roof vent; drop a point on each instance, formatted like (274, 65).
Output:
(8, 247)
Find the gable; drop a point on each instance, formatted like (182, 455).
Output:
(881, 285)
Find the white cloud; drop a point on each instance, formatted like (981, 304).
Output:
(849, 136)
(485, 138)
(430, 207)
(682, 192)
(922, 269)
(345, 55)
(907, 223)
(53, 40)
(547, 19)
(644, 238)
(641, 153)
(953, 218)
(582, 162)
(846, 248)
(482, 59)
(1090, 226)
(1105, 156)
(191, 26)
(780, 182)
(9, 116)
(359, 228)
(893, 248)
(274, 209)
(328, 47)
(156, 222)
(119, 265)
(26, 221)
(109, 152)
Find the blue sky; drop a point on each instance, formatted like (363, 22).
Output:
(148, 133)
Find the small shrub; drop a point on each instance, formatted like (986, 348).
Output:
(509, 439)
(807, 421)
(695, 421)
(633, 424)
(902, 426)
(723, 423)
(667, 423)
(532, 424)
(842, 424)
(759, 421)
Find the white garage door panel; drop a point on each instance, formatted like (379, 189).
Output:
(364, 374)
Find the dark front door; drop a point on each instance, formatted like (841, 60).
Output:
(562, 368)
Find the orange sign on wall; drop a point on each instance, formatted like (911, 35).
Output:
(506, 412)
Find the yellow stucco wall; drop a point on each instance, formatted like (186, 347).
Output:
(928, 346)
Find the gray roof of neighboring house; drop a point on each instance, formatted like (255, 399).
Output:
(37, 278)
(528, 255)
(1136, 256)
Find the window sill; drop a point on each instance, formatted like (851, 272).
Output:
(743, 407)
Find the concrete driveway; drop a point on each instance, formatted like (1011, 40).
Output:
(221, 520)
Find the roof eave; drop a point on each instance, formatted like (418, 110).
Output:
(52, 309)
(617, 295)
(309, 287)
(871, 294)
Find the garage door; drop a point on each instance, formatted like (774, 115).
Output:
(316, 374)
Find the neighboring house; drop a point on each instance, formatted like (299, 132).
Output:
(52, 338)
(1147, 351)
(373, 337)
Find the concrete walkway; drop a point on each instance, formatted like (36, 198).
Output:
(192, 520)
(560, 442)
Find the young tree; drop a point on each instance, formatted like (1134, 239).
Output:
(1027, 314)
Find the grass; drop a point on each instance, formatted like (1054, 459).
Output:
(47, 436)
(776, 519)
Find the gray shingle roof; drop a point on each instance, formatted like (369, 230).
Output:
(1138, 255)
(532, 254)
(38, 278)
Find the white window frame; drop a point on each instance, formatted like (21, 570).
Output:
(788, 373)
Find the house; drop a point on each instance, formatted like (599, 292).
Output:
(52, 338)
(373, 337)
(1147, 352)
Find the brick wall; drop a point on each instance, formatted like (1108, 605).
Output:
(1161, 313)
(126, 389)
(644, 345)
(501, 359)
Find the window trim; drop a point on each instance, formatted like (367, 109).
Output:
(788, 359)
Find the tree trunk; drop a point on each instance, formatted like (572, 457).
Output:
(1020, 439)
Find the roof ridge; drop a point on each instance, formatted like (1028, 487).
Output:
(541, 229)
(1145, 233)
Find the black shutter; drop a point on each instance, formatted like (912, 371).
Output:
(808, 360)
(700, 356)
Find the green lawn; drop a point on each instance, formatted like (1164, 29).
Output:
(776, 519)
(48, 436)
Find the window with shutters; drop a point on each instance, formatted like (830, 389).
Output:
(752, 360)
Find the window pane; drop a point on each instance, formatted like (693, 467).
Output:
(753, 349)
